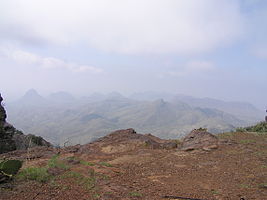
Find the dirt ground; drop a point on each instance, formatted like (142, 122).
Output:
(125, 170)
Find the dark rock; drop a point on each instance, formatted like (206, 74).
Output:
(11, 139)
(25, 141)
(2, 112)
(4, 178)
(199, 139)
(73, 162)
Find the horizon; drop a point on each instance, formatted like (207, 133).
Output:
(196, 48)
(162, 95)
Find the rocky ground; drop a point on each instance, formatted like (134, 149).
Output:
(125, 165)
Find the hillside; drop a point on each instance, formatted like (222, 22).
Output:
(130, 166)
(78, 121)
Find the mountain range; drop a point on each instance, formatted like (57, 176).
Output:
(63, 119)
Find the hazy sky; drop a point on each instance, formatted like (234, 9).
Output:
(195, 47)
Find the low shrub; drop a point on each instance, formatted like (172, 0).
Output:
(39, 174)
(10, 167)
(259, 128)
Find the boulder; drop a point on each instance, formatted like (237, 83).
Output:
(199, 139)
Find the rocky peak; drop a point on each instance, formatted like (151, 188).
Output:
(2, 112)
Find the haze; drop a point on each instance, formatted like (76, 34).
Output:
(203, 48)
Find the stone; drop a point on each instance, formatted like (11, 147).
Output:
(199, 139)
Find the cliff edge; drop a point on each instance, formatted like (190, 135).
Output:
(12, 139)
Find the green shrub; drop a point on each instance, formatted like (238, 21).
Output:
(260, 128)
(10, 167)
(35, 173)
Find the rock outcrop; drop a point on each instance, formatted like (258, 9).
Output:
(12, 139)
(199, 139)
(126, 140)
(2, 112)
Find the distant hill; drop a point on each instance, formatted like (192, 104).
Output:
(241, 110)
(85, 119)
(32, 98)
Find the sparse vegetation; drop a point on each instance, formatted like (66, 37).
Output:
(54, 162)
(262, 153)
(105, 164)
(102, 176)
(214, 192)
(245, 186)
(96, 196)
(135, 194)
(259, 128)
(263, 185)
(225, 135)
(71, 158)
(39, 174)
(86, 182)
(86, 163)
(247, 141)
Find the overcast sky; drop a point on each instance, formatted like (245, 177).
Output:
(203, 48)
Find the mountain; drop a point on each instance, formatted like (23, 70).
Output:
(241, 110)
(32, 98)
(82, 120)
